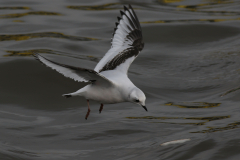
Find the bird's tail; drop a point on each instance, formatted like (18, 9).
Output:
(67, 95)
(80, 92)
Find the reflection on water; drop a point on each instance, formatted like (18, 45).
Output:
(192, 20)
(175, 142)
(195, 8)
(194, 105)
(97, 7)
(21, 37)
(207, 1)
(26, 8)
(48, 51)
(28, 52)
(152, 117)
(169, 1)
(209, 4)
(219, 1)
(17, 15)
(216, 129)
(203, 6)
(230, 91)
(205, 119)
(18, 21)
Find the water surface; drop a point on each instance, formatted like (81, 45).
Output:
(189, 71)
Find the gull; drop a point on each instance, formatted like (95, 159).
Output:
(109, 82)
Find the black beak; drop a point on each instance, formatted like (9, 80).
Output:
(145, 108)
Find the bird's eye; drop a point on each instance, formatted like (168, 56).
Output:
(136, 100)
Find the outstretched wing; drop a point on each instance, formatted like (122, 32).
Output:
(78, 74)
(127, 42)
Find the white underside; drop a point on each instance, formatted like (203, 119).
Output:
(119, 92)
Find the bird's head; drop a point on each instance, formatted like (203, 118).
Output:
(138, 97)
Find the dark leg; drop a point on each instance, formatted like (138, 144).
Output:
(101, 108)
(88, 110)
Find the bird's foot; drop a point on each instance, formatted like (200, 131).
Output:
(87, 114)
(101, 108)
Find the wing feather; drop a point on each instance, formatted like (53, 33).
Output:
(76, 73)
(127, 38)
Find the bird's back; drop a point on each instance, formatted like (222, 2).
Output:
(118, 78)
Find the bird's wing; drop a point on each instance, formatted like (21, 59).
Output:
(127, 42)
(78, 74)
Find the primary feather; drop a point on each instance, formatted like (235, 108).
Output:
(127, 42)
(76, 73)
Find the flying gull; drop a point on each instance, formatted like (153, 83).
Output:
(109, 80)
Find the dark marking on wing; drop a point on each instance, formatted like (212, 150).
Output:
(120, 58)
(73, 68)
(64, 65)
(135, 36)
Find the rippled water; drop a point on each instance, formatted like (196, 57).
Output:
(189, 70)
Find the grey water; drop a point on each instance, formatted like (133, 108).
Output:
(189, 71)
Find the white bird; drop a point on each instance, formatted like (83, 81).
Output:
(109, 80)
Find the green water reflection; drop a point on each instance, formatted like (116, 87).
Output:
(204, 119)
(193, 105)
(97, 7)
(18, 21)
(193, 8)
(230, 91)
(15, 8)
(28, 52)
(48, 51)
(17, 15)
(210, 4)
(21, 37)
(216, 129)
(192, 20)
(169, 1)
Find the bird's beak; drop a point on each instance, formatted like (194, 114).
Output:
(145, 107)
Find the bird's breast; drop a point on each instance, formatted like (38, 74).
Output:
(104, 95)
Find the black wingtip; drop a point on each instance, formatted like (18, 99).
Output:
(119, 19)
(129, 6)
(117, 24)
(67, 95)
(114, 30)
(125, 8)
(122, 13)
